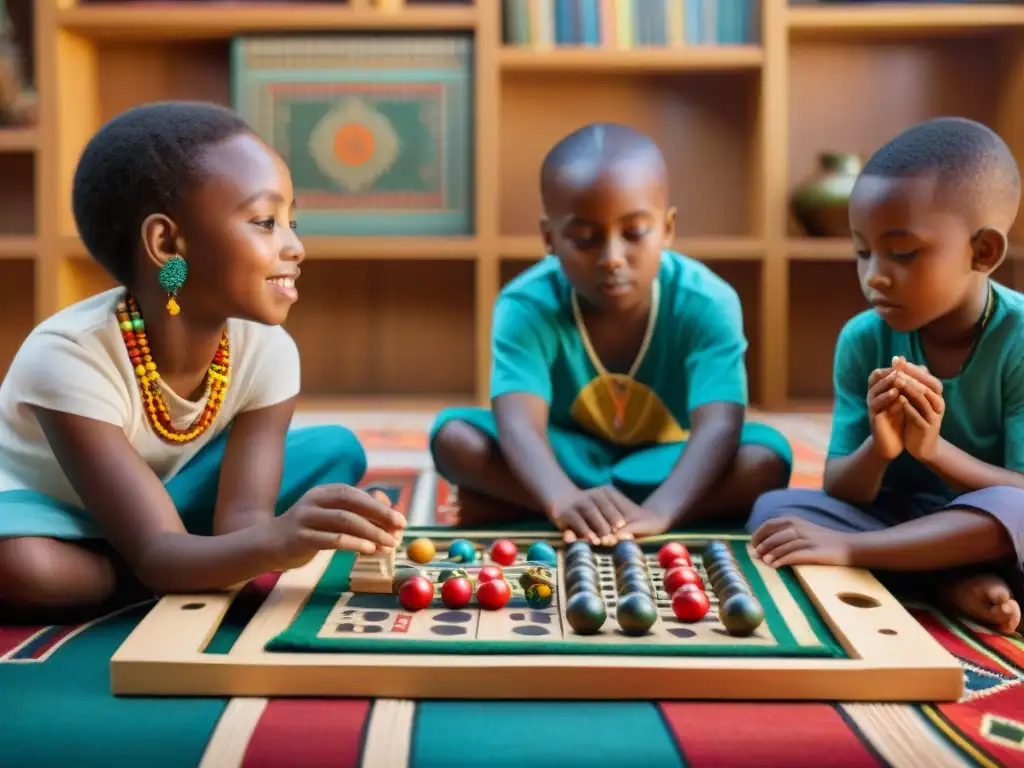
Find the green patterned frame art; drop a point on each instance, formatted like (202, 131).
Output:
(376, 129)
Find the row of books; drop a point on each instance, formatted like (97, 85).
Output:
(626, 24)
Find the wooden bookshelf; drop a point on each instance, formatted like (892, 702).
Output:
(741, 125)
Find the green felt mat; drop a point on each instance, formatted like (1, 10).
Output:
(301, 635)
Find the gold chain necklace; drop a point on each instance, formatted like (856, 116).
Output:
(618, 391)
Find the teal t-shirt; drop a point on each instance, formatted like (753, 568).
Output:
(984, 414)
(694, 356)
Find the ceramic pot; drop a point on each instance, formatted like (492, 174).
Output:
(821, 202)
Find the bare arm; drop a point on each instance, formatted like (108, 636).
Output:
(250, 475)
(131, 506)
(522, 426)
(964, 472)
(856, 478)
(947, 539)
(712, 446)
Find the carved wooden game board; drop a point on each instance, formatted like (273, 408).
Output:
(369, 646)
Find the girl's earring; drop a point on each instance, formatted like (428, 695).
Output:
(172, 277)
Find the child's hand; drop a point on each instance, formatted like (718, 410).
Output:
(885, 412)
(646, 522)
(334, 517)
(594, 514)
(792, 541)
(923, 407)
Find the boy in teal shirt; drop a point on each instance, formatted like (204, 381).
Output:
(618, 383)
(924, 466)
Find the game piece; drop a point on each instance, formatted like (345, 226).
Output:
(462, 551)
(579, 548)
(673, 550)
(542, 552)
(635, 571)
(374, 573)
(741, 615)
(537, 575)
(416, 593)
(489, 573)
(493, 594)
(732, 588)
(504, 551)
(421, 550)
(586, 612)
(582, 586)
(716, 547)
(635, 585)
(402, 574)
(453, 573)
(567, 635)
(580, 572)
(636, 613)
(538, 595)
(690, 604)
(684, 574)
(624, 550)
(457, 592)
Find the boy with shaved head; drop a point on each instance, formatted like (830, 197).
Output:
(925, 469)
(618, 385)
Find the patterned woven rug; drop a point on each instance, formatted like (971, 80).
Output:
(54, 691)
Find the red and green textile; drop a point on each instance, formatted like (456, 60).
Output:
(56, 709)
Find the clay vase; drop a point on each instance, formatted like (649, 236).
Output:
(821, 202)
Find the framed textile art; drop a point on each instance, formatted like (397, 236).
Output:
(377, 130)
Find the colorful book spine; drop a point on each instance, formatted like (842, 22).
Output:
(630, 24)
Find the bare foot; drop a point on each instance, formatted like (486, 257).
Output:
(466, 508)
(988, 599)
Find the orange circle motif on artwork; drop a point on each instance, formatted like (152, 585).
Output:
(353, 144)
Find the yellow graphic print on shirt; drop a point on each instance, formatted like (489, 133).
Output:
(633, 415)
(617, 407)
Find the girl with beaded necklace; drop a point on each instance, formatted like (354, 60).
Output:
(144, 432)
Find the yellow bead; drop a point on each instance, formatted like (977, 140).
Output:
(140, 370)
(126, 326)
(150, 366)
(421, 551)
(172, 306)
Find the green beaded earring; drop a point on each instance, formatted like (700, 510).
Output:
(172, 277)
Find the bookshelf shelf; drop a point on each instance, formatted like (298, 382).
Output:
(894, 20)
(645, 60)
(184, 21)
(14, 140)
(740, 113)
(18, 247)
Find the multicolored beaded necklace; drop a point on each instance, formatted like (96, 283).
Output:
(133, 331)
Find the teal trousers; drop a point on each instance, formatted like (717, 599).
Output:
(591, 462)
(312, 456)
